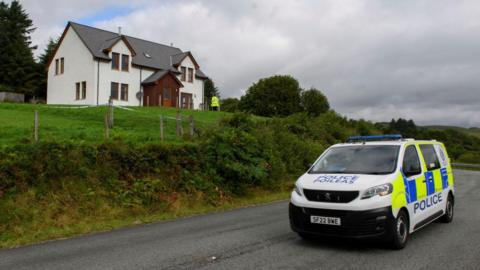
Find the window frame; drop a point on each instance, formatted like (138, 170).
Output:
(84, 90)
(438, 165)
(124, 86)
(418, 159)
(111, 90)
(183, 70)
(190, 74)
(127, 66)
(57, 67)
(77, 90)
(62, 65)
(115, 61)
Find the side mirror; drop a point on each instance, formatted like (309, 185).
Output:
(410, 171)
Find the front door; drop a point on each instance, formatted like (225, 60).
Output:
(413, 179)
(186, 101)
(167, 97)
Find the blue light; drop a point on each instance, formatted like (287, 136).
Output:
(371, 138)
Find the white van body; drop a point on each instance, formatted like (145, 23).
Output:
(335, 204)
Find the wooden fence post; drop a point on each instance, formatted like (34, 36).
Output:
(181, 125)
(191, 126)
(161, 127)
(106, 126)
(35, 126)
(110, 113)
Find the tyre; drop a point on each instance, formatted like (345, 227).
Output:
(400, 230)
(448, 216)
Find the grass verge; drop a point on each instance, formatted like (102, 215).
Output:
(47, 222)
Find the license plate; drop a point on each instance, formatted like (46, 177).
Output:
(325, 220)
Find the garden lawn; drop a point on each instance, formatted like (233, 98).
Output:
(86, 125)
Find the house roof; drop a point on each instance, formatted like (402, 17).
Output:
(158, 75)
(146, 53)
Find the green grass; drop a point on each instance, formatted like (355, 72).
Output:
(63, 123)
(474, 131)
(59, 215)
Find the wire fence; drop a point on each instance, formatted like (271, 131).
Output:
(181, 126)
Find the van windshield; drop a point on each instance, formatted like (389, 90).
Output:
(358, 159)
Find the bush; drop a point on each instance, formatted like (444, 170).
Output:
(314, 102)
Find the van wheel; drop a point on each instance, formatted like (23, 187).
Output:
(400, 230)
(448, 216)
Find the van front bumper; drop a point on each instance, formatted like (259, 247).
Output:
(375, 223)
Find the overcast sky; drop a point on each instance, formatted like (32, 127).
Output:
(373, 59)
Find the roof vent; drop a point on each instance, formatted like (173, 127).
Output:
(147, 55)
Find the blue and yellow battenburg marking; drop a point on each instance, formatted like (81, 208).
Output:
(411, 187)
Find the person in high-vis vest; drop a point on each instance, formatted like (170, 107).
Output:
(215, 103)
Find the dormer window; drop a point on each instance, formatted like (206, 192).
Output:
(184, 73)
(115, 61)
(125, 62)
(190, 74)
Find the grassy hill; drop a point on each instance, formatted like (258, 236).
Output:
(63, 123)
(474, 131)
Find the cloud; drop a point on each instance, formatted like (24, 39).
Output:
(374, 59)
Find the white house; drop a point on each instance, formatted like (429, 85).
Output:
(91, 65)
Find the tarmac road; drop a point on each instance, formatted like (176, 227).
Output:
(260, 238)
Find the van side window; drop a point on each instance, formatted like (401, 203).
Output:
(431, 159)
(411, 162)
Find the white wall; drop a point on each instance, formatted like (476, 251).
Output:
(130, 77)
(195, 88)
(79, 66)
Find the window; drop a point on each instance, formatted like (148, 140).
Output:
(84, 90)
(190, 75)
(125, 62)
(114, 91)
(115, 61)
(62, 65)
(124, 92)
(370, 159)
(411, 162)
(77, 91)
(56, 67)
(430, 157)
(184, 73)
(166, 93)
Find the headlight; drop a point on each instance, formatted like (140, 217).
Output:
(380, 190)
(297, 190)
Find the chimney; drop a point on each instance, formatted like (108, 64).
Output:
(119, 30)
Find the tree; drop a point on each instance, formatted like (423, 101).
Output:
(314, 102)
(274, 96)
(230, 104)
(210, 90)
(44, 59)
(18, 69)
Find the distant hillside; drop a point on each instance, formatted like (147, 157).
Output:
(475, 131)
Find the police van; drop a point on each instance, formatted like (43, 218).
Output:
(374, 186)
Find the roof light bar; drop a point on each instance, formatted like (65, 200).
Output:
(372, 138)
